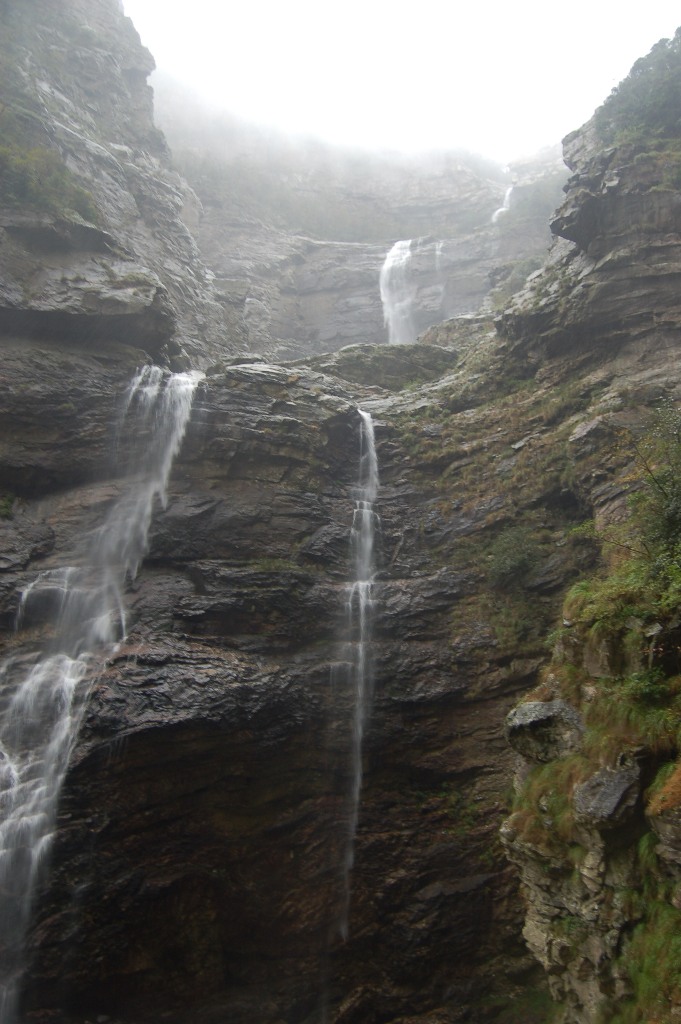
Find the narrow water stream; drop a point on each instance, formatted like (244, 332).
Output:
(359, 610)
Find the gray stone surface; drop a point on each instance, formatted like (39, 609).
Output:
(544, 730)
(609, 798)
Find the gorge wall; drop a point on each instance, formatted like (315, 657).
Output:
(197, 868)
(595, 821)
(296, 233)
(94, 240)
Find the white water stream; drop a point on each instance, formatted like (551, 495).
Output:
(359, 609)
(505, 207)
(42, 697)
(397, 294)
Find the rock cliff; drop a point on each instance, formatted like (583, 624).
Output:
(296, 233)
(198, 864)
(595, 823)
(93, 237)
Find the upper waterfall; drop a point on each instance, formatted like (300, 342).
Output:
(505, 206)
(397, 294)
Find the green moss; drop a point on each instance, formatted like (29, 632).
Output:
(628, 615)
(459, 807)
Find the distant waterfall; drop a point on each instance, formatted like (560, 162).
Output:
(42, 697)
(397, 294)
(505, 207)
(359, 607)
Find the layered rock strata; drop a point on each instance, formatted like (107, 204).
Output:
(100, 249)
(197, 867)
(595, 826)
(296, 236)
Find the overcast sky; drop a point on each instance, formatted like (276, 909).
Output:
(500, 79)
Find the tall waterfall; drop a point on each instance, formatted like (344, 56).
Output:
(43, 695)
(397, 294)
(359, 606)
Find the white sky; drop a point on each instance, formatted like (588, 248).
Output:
(502, 79)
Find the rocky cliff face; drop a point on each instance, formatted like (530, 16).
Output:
(93, 237)
(197, 870)
(595, 823)
(297, 234)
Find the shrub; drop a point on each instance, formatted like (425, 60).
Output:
(512, 555)
(39, 179)
(648, 101)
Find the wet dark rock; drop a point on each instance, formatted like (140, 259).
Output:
(198, 861)
(204, 819)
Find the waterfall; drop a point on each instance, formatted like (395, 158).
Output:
(359, 610)
(397, 294)
(42, 697)
(505, 207)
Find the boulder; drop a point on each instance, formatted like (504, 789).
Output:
(609, 798)
(544, 730)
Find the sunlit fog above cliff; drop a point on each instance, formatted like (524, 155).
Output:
(502, 80)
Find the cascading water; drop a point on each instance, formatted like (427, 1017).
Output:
(359, 607)
(397, 294)
(505, 207)
(42, 696)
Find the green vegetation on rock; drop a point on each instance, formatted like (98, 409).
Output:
(7, 506)
(33, 175)
(617, 657)
(652, 961)
(530, 1006)
(647, 103)
(38, 179)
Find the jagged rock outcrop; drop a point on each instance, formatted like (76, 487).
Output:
(615, 274)
(595, 833)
